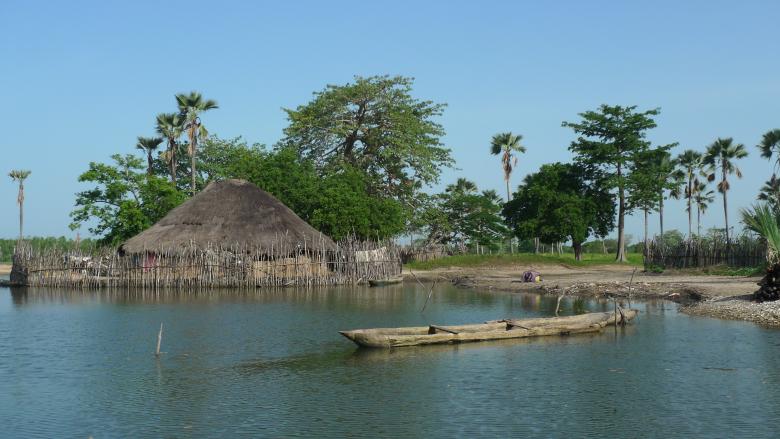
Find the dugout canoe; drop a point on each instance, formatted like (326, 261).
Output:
(386, 281)
(493, 330)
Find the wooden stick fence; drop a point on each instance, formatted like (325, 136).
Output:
(743, 252)
(281, 263)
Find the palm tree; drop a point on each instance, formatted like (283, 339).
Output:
(507, 144)
(703, 198)
(671, 177)
(770, 145)
(149, 145)
(689, 162)
(171, 126)
(770, 192)
(462, 186)
(190, 108)
(721, 155)
(765, 222)
(19, 176)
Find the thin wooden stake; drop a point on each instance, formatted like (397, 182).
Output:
(159, 341)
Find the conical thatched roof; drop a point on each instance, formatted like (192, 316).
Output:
(228, 213)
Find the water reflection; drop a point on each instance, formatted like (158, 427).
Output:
(271, 363)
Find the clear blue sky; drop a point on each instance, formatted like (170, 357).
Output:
(80, 80)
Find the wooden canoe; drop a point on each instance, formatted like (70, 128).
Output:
(494, 330)
(386, 281)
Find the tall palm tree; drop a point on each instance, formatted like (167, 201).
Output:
(508, 145)
(702, 198)
(671, 177)
(720, 156)
(190, 107)
(770, 192)
(19, 176)
(770, 145)
(149, 145)
(689, 163)
(171, 126)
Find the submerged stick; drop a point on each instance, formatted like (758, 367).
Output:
(159, 341)
(629, 286)
(429, 296)
(558, 305)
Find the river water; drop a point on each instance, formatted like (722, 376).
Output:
(272, 364)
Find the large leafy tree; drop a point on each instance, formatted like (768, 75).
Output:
(561, 202)
(148, 145)
(466, 217)
(689, 164)
(376, 126)
(507, 145)
(652, 175)
(171, 127)
(339, 203)
(191, 106)
(721, 157)
(610, 141)
(124, 201)
(20, 176)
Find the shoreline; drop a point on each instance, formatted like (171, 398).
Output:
(5, 269)
(717, 296)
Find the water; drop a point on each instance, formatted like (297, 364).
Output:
(272, 364)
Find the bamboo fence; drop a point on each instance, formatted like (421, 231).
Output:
(282, 263)
(706, 253)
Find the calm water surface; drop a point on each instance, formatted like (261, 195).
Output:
(272, 364)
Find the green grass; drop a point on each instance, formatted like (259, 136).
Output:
(634, 259)
(723, 270)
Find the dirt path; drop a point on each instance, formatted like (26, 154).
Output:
(726, 297)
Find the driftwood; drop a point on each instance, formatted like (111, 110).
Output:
(493, 330)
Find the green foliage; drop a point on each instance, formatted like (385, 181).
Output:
(345, 208)
(42, 243)
(465, 217)
(560, 203)
(523, 259)
(339, 203)
(652, 175)
(611, 141)
(376, 126)
(125, 200)
(762, 220)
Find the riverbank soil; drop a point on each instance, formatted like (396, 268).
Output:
(727, 297)
(5, 269)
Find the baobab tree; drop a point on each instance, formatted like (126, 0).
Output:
(19, 176)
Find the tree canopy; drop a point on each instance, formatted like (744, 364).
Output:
(375, 126)
(561, 202)
(610, 141)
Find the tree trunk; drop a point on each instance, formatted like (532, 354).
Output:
(690, 212)
(21, 211)
(192, 164)
(149, 162)
(536, 246)
(577, 250)
(661, 213)
(621, 243)
(172, 167)
(508, 194)
(644, 250)
(698, 222)
(726, 216)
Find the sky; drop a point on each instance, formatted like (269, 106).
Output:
(79, 80)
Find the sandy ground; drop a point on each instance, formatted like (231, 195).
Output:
(726, 297)
(5, 269)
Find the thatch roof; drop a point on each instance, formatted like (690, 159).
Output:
(228, 213)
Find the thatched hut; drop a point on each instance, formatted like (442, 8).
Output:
(229, 214)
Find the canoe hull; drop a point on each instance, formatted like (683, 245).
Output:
(498, 330)
(387, 281)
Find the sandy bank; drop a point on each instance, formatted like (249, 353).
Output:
(5, 269)
(726, 297)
